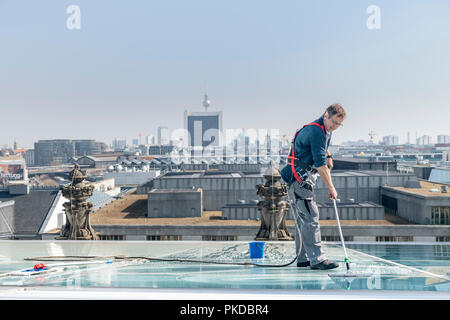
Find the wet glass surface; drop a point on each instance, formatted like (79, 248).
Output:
(393, 266)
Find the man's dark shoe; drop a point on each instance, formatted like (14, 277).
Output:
(325, 265)
(303, 264)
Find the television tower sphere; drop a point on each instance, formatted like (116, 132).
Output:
(206, 102)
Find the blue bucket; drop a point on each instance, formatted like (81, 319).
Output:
(257, 249)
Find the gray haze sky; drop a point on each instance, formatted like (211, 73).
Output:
(137, 65)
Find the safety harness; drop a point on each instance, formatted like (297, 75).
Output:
(295, 161)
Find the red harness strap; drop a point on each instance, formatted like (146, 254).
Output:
(292, 155)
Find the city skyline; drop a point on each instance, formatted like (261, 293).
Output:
(147, 140)
(131, 68)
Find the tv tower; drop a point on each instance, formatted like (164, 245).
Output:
(206, 102)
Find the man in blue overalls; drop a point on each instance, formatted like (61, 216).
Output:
(309, 157)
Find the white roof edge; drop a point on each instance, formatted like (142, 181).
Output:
(61, 293)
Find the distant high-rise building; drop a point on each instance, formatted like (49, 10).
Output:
(87, 147)
(119, 145)
(268, 144)
(247, 149)
(390, 140)
(424, 140)
(443, 138)
(150, 140)
(60, 151)
(160, 150)
(163, 136)
(135, 142)
(53, 152)
(257, 150)
(29, 157)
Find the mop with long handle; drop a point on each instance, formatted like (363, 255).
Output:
(348, 273)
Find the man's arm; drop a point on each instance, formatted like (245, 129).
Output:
(319, 153)
(326, 177)
(329, 160)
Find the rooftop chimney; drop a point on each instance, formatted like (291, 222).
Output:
(412, 184)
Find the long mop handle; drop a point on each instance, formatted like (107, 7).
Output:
(340, 233)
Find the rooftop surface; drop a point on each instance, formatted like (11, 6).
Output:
(426, 186)
(397, 271)
(132, 209)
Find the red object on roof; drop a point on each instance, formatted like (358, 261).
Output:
(40, 266)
